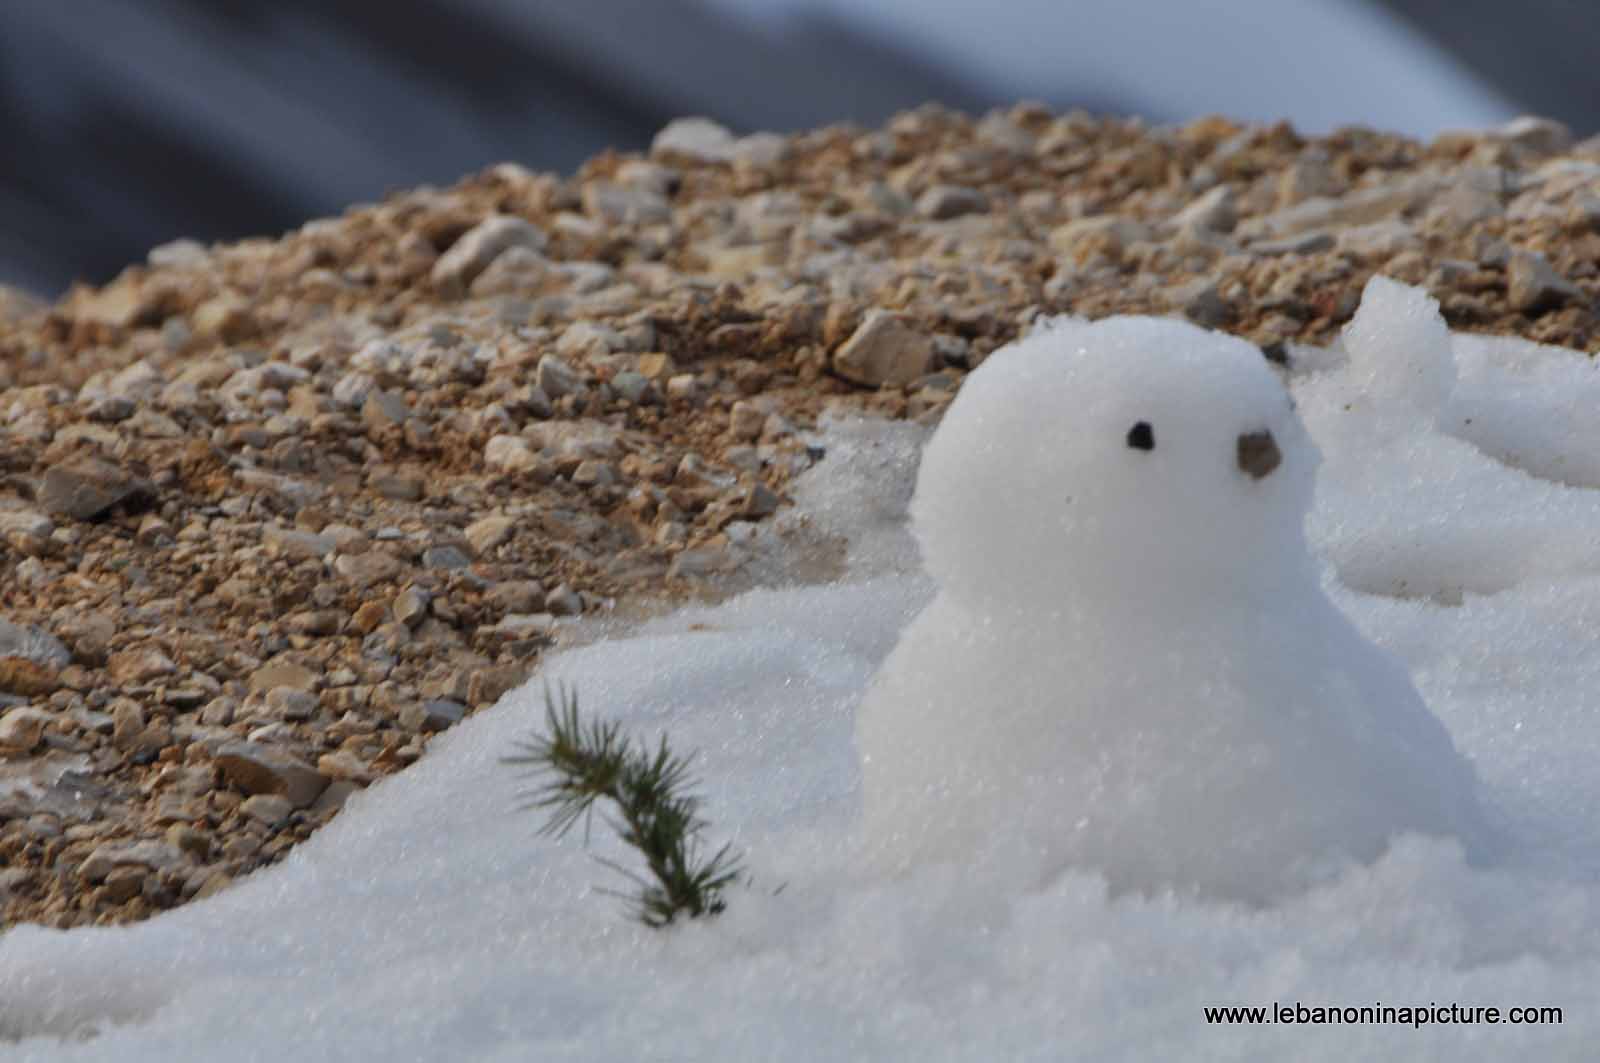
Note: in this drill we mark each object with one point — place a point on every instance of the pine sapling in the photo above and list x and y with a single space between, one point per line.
577 762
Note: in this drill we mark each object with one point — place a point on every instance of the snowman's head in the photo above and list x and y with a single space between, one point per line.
1124 457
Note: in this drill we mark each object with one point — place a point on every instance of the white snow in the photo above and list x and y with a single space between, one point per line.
1131 665
430 922
1435 490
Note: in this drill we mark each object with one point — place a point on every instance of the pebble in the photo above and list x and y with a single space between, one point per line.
365 569
507 453
943 202
435 714
27 530
1534 286
696 139
883 350
283 672
563 601
84 488
290 703
140 666
1215 210
411 606
270 810
21 728
487 533
260 769
556 378
345 766
472 253
1304 243
445 557
148 855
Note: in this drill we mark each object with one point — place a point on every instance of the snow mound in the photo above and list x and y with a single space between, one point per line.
1405 509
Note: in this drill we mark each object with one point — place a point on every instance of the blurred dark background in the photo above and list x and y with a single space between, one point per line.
128 123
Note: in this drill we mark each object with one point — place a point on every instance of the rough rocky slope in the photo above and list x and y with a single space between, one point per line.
272 514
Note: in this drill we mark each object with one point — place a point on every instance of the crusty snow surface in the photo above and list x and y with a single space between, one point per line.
429 921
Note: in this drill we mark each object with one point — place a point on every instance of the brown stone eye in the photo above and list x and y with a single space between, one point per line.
1142 437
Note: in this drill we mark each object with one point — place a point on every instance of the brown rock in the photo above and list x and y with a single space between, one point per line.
22 728
369 568
282 672
140 665
489 532
260 769
883 351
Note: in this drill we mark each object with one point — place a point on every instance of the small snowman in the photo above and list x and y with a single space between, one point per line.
1130 665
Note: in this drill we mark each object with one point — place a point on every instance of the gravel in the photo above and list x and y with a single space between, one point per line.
275 513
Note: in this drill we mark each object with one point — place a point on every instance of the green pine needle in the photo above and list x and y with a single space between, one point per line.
576 763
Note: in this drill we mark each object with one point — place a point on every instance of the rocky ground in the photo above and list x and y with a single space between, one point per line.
272 514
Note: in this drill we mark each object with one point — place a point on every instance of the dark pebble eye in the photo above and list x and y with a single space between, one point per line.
1142 437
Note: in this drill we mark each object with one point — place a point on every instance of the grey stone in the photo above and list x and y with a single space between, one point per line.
260 769
757 501
633 386
625 204
487 533
402 487
411 606
563 601
268 809
1465 203
1306 243
943 202
1116 233
289 703
470 255
436 714
294 543
84 488
517 596
1378 241
353 388
369 568
445 557
150 855
696 138
760 151
514 271
1534 286
1202 303
1542 136
33 644
556 378
702 563
1355 208
383 410
1215 210
1308 177
506 453
26 529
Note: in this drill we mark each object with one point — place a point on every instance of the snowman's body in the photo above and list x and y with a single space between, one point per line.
1131 665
